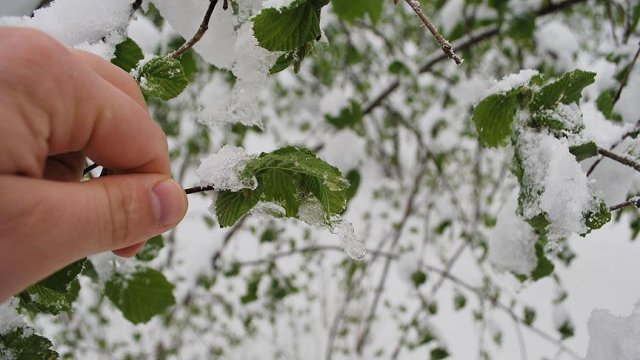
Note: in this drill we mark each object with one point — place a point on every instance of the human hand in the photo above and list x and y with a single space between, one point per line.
57 107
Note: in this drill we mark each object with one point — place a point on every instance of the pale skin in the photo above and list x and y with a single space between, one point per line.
57 107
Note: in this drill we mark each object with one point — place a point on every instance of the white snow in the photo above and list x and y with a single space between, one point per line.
512 241
512 81
222 169
9 317
93 25
569 115
552 171
614 337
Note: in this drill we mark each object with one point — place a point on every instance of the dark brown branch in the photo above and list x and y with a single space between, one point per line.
204 26
463 44
633 133
635 201
198 189
444 44
619 158
624 81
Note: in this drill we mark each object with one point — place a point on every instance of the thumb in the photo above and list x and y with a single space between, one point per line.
45 225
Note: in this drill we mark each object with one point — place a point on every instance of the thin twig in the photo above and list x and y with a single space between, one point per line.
634 201
444 44
308 249
619 158
468 42
227 239
624 81
506 309
398 233
632 133
198 189
204 26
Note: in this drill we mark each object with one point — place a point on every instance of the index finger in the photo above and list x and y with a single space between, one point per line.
83 111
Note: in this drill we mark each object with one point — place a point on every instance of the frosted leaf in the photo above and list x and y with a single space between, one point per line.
9 317
569 116
513 81
512 242
82 23
269 209
221 169
553 172
352 245
614 337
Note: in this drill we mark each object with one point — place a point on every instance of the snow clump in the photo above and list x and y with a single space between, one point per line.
614 337
222 169
512 242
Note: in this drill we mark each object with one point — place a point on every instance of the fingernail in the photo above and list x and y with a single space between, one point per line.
168 200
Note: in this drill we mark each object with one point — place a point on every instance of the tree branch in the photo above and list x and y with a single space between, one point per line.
619 158
468 42
634 201
204 26
444 44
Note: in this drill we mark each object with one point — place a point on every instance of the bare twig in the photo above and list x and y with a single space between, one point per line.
408 210
444 44
624 81
634 201
308 249
506 309
619 158
204 26
468 42
632 133
215 259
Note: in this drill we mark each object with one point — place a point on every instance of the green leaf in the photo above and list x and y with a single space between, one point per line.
231 206
56 293
348 117
596 219
162 77
584 151
566 330
521 27
287 28
529 315
314 177
350 10
418 278
141 295
280 187
354 178
566 90
439 353
544 267
252 288
605 105
23 344
493 118
127 55
151 249
459 301
294 57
